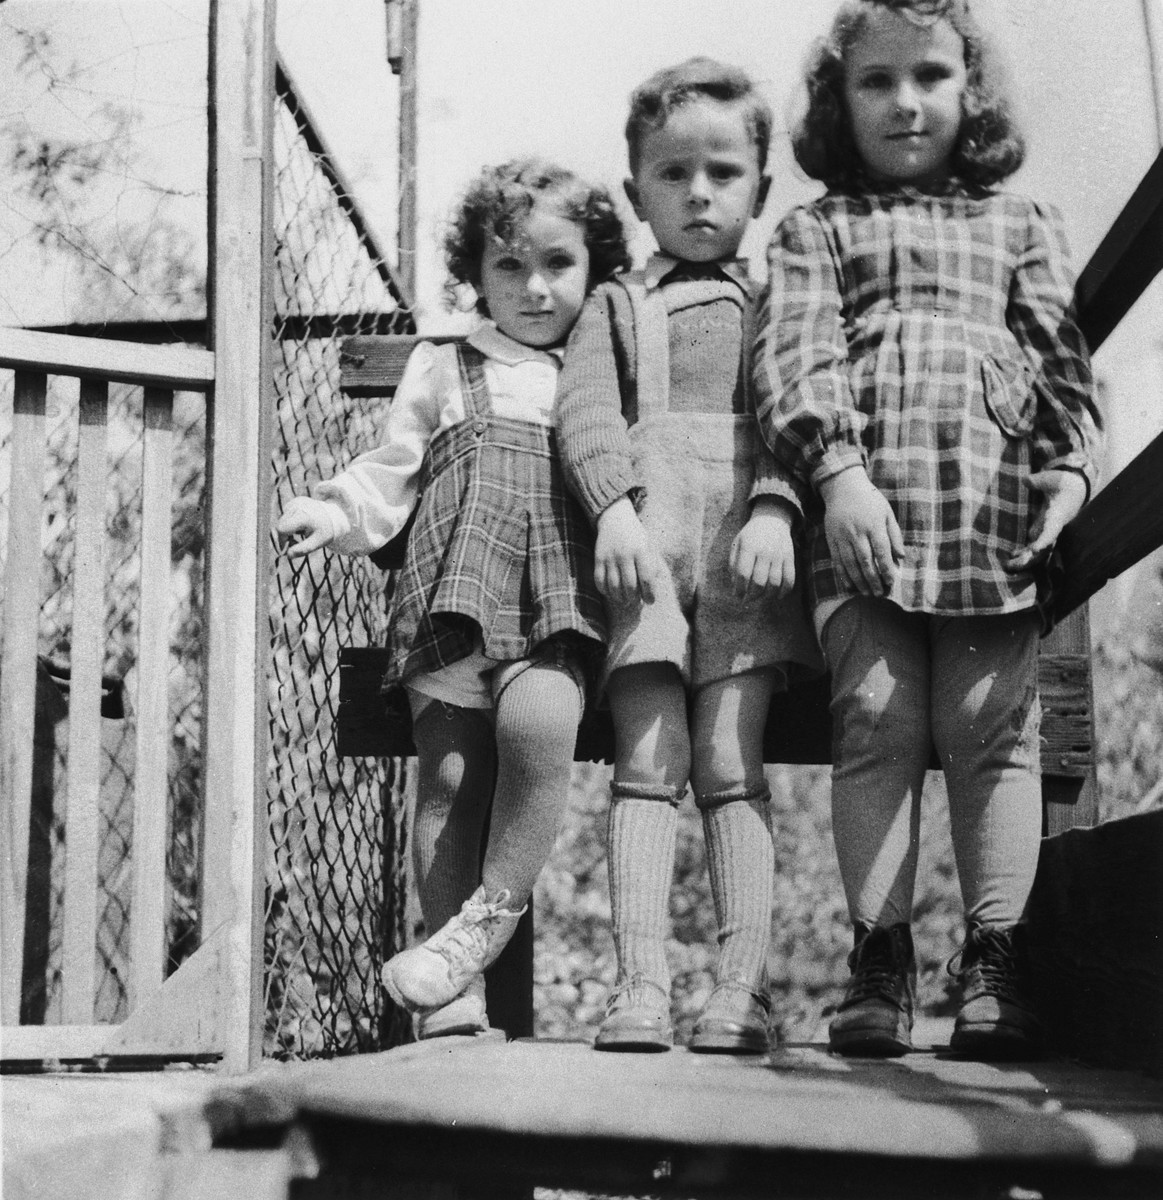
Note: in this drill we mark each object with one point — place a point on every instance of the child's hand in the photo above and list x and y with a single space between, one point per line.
1063 494
863 534
623 560
763 554
307 520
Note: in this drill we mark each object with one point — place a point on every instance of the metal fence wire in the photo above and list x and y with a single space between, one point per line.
335 876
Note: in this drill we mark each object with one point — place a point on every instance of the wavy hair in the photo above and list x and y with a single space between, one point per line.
501 197
990 146
652 102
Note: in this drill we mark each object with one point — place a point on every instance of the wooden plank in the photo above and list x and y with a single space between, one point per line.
241 170
374 365
184 368
84 743
1118 528
1070 788
922 1109
151 775
18 673
1096 938
1127 259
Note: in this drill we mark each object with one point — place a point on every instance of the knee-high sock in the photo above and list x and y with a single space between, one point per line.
537 717
457 761
642 833
741 865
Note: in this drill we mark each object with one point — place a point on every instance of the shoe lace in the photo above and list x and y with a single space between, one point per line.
468 936
875 973
637 983
762 998
987 964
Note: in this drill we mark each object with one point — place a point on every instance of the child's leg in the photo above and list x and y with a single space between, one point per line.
985 723
879 658
456 764
537 715
732 794
652 763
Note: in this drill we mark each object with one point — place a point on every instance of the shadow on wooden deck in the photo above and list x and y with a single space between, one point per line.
474 1117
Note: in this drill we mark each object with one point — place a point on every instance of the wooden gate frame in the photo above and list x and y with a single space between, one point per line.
212 1006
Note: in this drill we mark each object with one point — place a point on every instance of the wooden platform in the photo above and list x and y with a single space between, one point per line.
483 1116
464 1111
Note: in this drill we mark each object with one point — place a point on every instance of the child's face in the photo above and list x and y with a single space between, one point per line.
698 183
535 283
904 84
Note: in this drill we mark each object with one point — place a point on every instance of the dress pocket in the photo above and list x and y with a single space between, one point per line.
1010 395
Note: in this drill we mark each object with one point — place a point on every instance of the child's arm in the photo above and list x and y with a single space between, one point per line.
763 554
1067 424
595 451
805 405
365 506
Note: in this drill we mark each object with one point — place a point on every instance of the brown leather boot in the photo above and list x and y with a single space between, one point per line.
875 1018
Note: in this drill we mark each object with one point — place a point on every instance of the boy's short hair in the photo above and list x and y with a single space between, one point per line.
990 147
652 102
502 196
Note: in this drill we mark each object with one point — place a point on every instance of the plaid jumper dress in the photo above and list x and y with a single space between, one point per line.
931 339
501 556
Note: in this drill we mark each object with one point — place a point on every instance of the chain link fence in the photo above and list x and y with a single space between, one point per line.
335 878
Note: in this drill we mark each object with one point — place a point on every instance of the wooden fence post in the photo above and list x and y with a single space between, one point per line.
241 107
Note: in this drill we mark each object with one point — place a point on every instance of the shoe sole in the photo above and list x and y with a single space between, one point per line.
725 1044
869 1045
990 1044
631 1043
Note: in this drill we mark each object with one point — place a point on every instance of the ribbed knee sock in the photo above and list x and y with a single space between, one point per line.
741 865
642 835
454 784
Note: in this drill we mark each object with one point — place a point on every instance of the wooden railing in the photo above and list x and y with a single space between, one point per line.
159 371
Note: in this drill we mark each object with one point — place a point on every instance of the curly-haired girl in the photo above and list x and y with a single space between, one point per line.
494 620
919 369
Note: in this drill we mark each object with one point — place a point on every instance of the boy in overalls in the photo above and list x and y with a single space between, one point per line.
694 553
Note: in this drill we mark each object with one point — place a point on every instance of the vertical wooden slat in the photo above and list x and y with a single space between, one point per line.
235 735
86 660
1066 802
150 791
18 672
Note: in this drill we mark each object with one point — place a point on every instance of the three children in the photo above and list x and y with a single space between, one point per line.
918 404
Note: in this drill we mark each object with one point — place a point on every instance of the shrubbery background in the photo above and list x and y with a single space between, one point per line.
575 965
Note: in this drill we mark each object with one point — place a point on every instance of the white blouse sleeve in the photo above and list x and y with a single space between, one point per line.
371 500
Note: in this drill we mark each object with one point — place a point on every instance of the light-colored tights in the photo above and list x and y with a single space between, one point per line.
526 746
902 683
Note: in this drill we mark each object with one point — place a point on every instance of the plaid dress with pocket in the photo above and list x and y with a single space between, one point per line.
932 340
501 555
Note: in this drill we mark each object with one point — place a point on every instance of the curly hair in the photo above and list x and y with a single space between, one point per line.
501 197
990 147
652 102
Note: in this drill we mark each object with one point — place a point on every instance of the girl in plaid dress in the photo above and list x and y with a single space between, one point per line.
494 620
920 371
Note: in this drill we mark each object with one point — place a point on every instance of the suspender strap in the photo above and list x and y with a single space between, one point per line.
652 345
473 387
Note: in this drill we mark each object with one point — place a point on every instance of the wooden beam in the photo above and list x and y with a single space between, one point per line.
1118 528
374 365
147 956
87 658
18 674
182 367
1126 261
241 105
